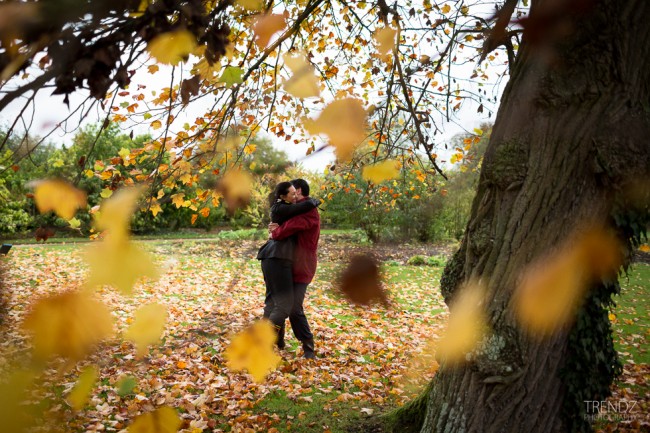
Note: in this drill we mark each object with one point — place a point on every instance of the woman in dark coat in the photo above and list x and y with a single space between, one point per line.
277 258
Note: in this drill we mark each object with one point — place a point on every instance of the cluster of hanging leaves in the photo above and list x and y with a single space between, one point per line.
83 45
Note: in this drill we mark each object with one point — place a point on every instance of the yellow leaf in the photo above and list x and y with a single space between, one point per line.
645 248
74 223
118 263
466 326
106 192
152 69
15 413
235 186
89 173
162 420
344 122
251 5
612 317
156 124
252 350
205 212
385 40
154 207
553 287
68 324
445 9
381 171
172 47
303 82
265 26
59 196
81 391
478 131
207 71
147 327
249 149
115 213
178 199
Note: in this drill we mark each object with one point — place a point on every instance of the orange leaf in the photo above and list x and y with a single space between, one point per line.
344 122
266 26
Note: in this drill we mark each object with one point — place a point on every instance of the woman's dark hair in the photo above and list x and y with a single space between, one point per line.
280 189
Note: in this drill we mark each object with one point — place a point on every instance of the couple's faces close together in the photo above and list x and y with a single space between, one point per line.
291 196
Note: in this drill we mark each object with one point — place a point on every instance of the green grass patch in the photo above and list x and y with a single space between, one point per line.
631 325
315 411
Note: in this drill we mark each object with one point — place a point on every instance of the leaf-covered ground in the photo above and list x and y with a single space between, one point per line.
369 359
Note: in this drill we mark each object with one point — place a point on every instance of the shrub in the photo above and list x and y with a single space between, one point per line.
436 261
418 260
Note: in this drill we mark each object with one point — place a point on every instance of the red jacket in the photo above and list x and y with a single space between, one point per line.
307 229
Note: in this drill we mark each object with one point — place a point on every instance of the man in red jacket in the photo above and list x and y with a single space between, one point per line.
306 228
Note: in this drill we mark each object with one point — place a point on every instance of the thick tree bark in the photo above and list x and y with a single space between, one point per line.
570 139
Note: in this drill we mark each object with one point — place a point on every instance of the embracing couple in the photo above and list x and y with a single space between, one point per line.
289 260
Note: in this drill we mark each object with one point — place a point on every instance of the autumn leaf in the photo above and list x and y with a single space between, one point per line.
14 413
126 385
385 40
67 324
59 196
156 124
553 287
645 248
172 47
360 281
162 420
115 213
249 149
344 122
79 395
303 82
178 199
235 186
231 75
252 350
251 5
377 173
147 327
154 207
467 324
119 264
265 26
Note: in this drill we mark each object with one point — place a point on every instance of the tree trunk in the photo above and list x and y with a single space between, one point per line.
570 141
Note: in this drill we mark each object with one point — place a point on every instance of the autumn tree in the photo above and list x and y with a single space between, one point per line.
567 150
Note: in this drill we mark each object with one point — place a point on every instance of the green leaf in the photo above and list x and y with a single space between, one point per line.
231 76
126 386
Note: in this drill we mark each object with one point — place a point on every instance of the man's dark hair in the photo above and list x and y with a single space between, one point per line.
302 185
